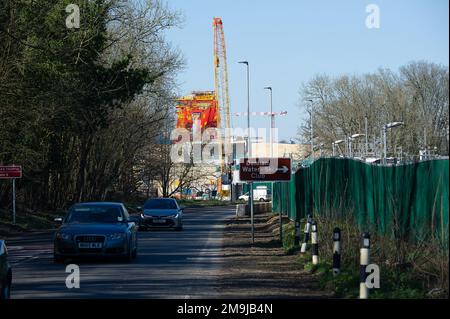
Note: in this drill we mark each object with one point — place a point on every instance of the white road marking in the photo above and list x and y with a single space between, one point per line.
21 254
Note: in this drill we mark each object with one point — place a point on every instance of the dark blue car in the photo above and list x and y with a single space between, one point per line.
96 229
5 272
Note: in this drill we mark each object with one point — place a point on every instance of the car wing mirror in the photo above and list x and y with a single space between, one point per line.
134 219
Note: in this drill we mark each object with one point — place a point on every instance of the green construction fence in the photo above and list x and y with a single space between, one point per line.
403 201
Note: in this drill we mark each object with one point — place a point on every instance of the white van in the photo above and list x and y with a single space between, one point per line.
259 194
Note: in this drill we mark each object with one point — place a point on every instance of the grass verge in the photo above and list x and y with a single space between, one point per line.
423 273
25 221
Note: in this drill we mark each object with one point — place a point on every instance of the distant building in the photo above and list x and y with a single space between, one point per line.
296 151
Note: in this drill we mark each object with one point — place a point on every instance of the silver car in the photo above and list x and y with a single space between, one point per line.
161 213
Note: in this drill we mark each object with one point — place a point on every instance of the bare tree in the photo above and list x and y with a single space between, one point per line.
417 95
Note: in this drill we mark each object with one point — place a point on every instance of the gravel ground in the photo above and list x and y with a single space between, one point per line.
262 270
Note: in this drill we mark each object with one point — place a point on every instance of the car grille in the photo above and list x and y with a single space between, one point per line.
90 250
116 250
150 222
90 239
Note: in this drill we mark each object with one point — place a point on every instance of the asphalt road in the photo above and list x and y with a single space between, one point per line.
170 264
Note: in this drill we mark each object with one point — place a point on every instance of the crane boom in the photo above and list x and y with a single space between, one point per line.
221 77
221 91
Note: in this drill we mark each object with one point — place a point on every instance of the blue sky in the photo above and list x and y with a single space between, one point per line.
287 42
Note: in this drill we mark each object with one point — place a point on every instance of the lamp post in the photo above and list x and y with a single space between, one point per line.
249 146
311 131
385 128
334 145
366 147
350 155
249 150
350 140
272 120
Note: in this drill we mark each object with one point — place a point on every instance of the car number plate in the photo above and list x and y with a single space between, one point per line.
90 245
159 221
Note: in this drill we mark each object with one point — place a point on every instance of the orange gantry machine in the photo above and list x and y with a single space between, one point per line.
201 105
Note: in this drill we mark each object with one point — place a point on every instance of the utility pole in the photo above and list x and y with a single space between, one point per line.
312 130
425 142
249 146
346 146
249 150
312 136
350 153
367 137
272 120
272 127
385 128
385 144
334 144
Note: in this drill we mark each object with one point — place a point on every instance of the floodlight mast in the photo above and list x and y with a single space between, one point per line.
385 128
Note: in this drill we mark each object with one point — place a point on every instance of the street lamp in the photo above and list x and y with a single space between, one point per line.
312 132
334 145
350 139
249 147
320 149
272 120
394 124
385 128
366 147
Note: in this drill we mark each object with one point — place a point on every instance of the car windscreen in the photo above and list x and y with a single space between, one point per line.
160 204
94 214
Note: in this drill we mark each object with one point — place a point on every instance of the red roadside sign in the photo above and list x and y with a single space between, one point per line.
270 169
8 172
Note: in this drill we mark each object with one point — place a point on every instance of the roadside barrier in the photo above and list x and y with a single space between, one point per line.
307 232
240 210
364 261
336 251
258 208
314 242
409 201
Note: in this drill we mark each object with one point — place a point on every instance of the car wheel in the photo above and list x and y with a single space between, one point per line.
57 259
134 253
129 256
6 290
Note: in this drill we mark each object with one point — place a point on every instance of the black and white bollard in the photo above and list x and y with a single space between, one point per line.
364 262
297 233
307 232
314 243
336 251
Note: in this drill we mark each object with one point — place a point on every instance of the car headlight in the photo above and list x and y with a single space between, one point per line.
64 236
116 236
174 216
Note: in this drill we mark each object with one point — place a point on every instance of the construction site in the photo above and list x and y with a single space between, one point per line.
202 110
